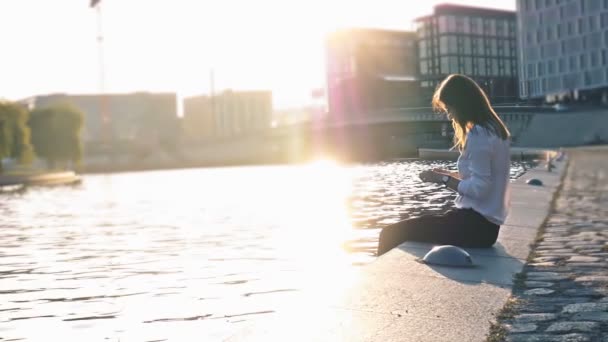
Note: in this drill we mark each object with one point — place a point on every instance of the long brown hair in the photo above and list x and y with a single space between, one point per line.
460 97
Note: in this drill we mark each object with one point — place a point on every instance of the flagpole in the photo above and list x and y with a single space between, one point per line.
103 113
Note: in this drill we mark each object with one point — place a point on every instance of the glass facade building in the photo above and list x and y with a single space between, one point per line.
478 42
371 69
563 49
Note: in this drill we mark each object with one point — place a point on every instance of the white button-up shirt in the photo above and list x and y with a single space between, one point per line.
484 166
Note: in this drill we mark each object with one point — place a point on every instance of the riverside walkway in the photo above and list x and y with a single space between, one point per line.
562 293
398 298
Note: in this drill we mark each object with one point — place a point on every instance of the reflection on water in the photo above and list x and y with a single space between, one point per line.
191 254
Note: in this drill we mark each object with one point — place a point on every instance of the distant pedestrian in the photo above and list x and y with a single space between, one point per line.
482 180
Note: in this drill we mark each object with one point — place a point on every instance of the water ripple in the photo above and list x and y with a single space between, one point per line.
127 252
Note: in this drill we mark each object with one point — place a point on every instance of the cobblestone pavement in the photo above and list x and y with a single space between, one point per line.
562 293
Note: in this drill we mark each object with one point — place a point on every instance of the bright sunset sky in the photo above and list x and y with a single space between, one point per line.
170 45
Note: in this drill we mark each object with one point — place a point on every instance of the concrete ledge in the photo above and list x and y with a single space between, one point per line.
397 298
516 154
40 179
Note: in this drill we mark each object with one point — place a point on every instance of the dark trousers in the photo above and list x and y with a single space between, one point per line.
458 227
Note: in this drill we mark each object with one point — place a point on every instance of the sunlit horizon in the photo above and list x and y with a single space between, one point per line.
167 46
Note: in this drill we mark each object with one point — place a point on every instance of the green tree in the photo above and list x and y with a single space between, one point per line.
56 134
14 133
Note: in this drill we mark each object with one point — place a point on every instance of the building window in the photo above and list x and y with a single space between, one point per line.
604 20
467 45
594 59
583 61
466 25
562 65
542 51
539 36
604 61
572 63
443 45
584 42
481 66
581 25
476 25
493 47
443 24
505 47
592 23
459 24
452 45
541 69
587 78
424 67
537 4
500 30
494 69
582 3
491 27
531 70
570 28
454 65
445 65
422 48
468 65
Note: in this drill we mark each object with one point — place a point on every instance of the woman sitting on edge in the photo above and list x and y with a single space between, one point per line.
481 181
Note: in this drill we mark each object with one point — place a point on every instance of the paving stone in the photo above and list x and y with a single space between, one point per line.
592 279
585 250
545 259
543 264
538 292
585 307
521 327
591 316
536 317
549 338
586 292
573 327
546 276
582 258
558 239
534 284
556 253
566 287
603 265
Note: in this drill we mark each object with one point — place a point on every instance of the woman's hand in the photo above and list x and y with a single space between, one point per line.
431 176
442 171
447 172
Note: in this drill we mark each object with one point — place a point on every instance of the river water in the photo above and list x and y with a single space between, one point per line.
193 254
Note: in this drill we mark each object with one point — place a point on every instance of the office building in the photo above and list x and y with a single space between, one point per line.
478 42
119 117
563 49
369 70
226 115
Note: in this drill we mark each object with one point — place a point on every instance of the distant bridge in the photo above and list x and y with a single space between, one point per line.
394 132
